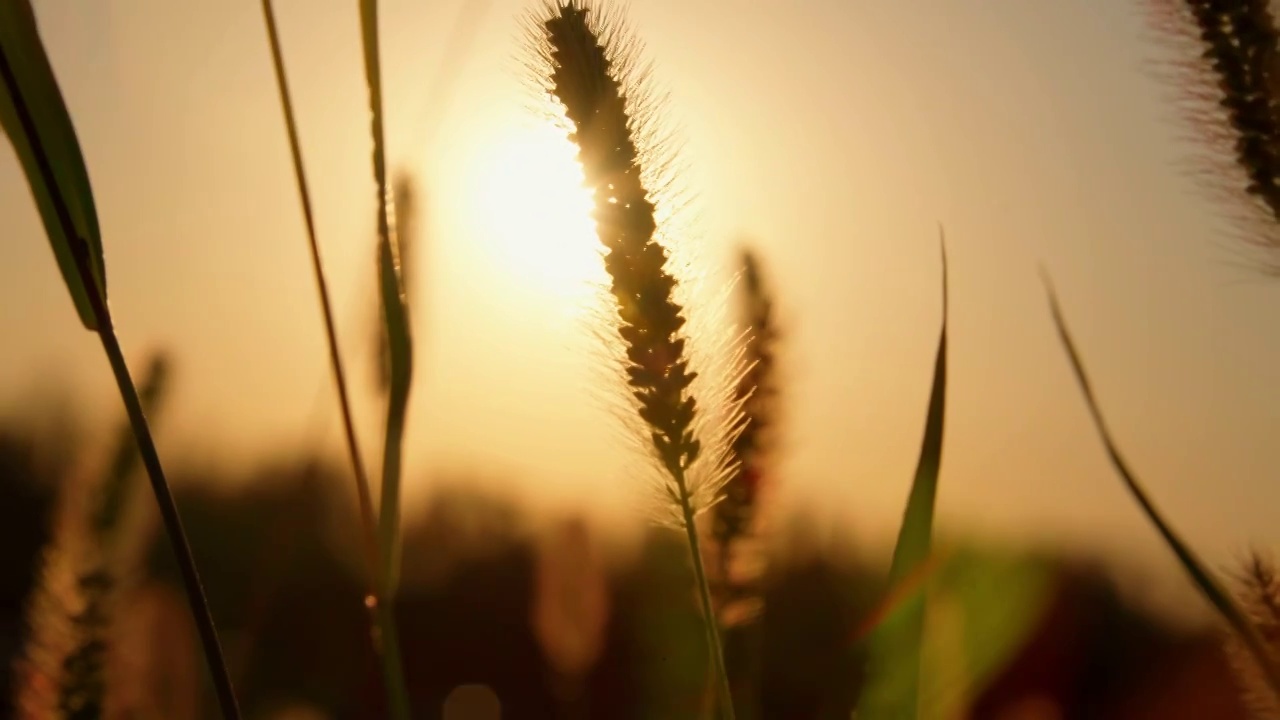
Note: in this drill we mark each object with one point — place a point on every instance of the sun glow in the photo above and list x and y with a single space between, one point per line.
533 216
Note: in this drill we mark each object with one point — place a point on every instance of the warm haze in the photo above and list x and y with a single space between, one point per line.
837 135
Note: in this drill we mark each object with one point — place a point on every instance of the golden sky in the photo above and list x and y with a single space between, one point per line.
837 134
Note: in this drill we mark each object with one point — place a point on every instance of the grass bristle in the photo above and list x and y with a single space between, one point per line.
756 392
1258 589
590 65
1226 75
649 320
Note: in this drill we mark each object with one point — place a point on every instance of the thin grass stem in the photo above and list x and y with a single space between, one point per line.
714 647
382 615
367 517
169 513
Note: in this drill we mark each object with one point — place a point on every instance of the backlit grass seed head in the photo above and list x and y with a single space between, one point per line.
588 63
1227 76
53 633
1258 589
756 391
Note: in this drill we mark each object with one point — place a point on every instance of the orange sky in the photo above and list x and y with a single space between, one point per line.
837 134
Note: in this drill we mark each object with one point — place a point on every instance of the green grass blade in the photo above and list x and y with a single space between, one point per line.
893 684
1194 567
395 315
48 135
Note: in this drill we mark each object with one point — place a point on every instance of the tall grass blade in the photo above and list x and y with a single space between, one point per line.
29 80
893 685
365 498
395 315
20 36
1194 567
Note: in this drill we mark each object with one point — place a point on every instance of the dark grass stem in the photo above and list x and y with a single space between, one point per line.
378 601
137 418
367 518
168 510
714 646
1195 568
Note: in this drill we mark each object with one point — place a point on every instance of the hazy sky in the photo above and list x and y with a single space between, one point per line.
837 134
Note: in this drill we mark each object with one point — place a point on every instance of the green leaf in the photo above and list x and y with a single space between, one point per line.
35 118
893 681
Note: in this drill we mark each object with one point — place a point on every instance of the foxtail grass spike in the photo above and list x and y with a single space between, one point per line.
70 615
399 343
757 393
1191 563
26 73
1258 588
587 62
1227 76
896 644
734 517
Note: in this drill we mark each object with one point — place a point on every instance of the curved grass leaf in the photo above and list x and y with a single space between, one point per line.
34 116
1191 563
893 683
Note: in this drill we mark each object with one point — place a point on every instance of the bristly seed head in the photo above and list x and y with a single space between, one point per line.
1240 45
1226 72
1259 592
756 391
585 80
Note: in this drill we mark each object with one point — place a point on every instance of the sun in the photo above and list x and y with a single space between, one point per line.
533 215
